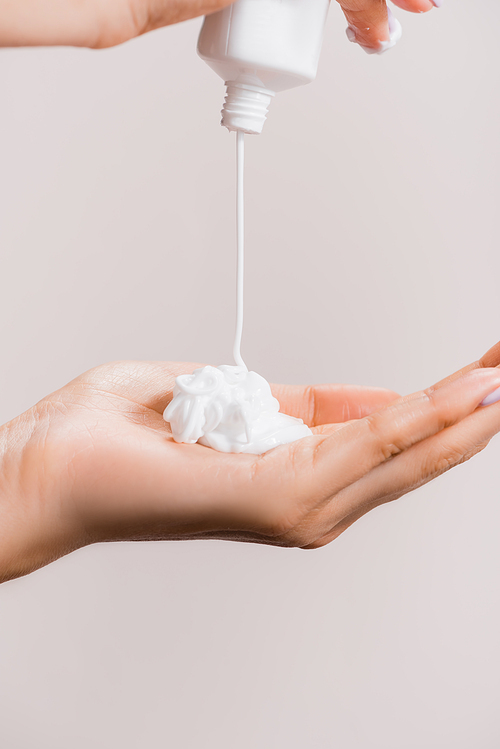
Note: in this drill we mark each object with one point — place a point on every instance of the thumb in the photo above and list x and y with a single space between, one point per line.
317 405
153 14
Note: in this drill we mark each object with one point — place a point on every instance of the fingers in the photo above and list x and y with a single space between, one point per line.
461 432
396 428
319 405
430 458
489 360
372 25
318 487
418 466
330 404
371 441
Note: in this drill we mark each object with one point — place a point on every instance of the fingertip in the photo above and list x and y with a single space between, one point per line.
492 357
374 35
369 39
418 6
481 387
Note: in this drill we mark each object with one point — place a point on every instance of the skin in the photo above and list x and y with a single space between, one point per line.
105 23
96 462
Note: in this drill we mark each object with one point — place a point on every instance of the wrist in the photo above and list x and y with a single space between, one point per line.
12 503
33 527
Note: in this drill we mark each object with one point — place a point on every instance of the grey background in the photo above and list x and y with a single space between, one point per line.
372 258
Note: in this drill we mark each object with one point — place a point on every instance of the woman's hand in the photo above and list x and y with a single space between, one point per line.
92 23
104 23
96 462
371 23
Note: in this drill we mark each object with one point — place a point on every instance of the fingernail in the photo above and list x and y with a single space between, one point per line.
492 398
437 3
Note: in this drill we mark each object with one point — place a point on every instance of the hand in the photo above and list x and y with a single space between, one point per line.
370 21
92 23
96 462
105 23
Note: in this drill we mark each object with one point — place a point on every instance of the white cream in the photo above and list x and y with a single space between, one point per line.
232 410
228 407
240 243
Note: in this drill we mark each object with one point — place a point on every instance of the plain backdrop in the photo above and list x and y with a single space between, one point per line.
372 258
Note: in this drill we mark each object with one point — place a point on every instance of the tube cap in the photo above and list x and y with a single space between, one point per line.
245 107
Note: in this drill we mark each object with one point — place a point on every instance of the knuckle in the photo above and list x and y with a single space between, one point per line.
113 29
384 446
440 413
391 430
474 451
443 463
446 463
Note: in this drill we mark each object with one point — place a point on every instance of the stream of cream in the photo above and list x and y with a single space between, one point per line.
229 408
240 243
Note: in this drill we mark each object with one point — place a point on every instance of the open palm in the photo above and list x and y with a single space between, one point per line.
95 461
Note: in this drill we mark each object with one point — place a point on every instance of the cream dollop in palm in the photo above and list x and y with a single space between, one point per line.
95 461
